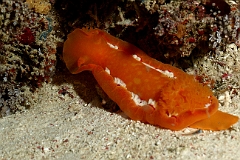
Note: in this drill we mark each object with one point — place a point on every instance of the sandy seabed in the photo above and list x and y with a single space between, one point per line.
66 127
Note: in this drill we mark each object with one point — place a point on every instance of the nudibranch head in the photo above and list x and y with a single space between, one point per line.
88 42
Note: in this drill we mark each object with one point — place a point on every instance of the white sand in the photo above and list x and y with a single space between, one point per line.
61 127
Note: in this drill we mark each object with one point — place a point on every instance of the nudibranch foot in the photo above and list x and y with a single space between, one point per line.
218 121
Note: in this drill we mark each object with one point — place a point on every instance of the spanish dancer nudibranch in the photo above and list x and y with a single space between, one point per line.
144 88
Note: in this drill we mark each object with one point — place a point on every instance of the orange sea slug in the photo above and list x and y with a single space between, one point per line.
144 88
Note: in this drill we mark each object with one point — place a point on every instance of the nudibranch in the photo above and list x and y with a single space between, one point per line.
144 88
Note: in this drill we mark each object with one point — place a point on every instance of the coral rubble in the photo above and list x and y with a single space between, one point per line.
26 59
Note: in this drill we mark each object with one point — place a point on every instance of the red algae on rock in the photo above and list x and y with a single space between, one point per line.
27 37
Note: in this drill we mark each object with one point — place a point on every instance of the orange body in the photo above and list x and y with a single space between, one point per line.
144 88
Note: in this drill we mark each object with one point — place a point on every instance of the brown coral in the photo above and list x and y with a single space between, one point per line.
40 6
